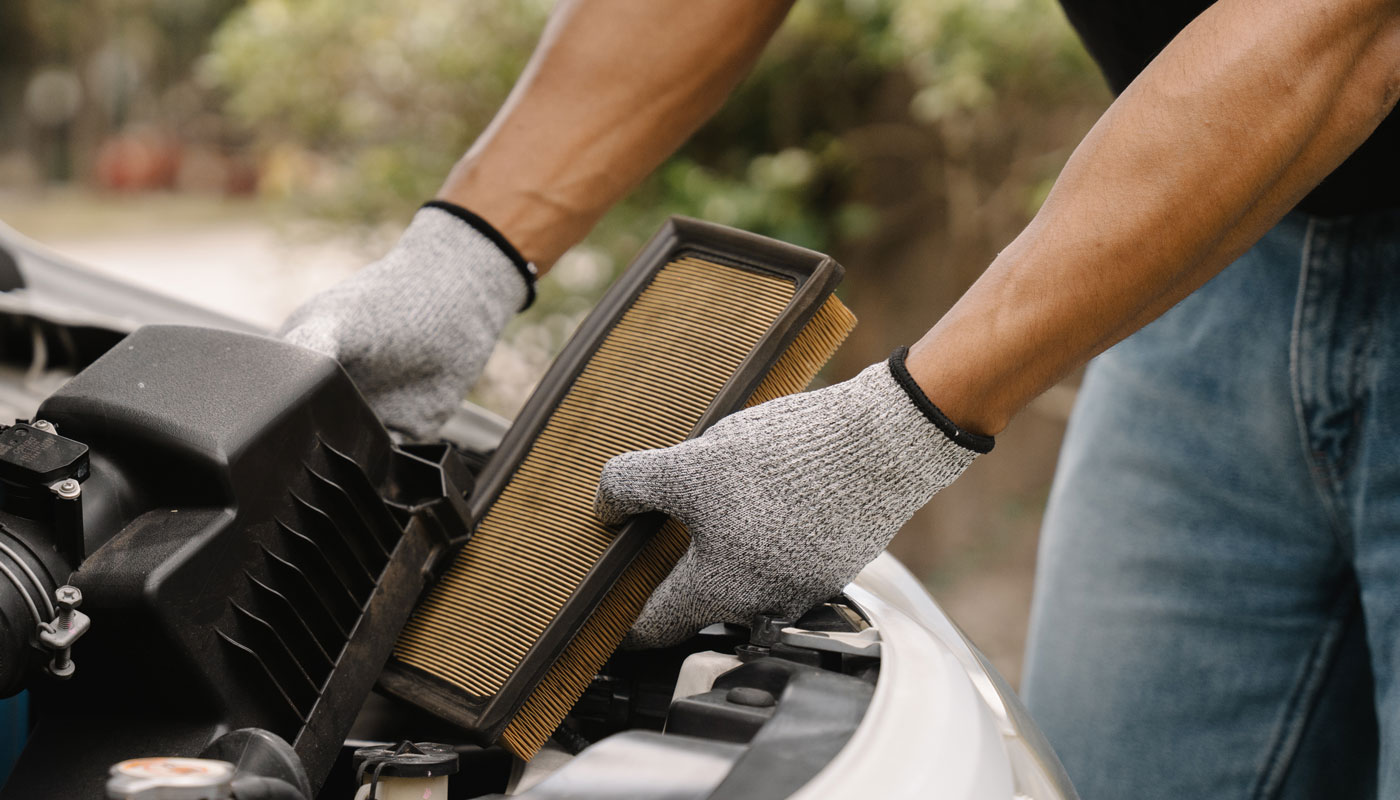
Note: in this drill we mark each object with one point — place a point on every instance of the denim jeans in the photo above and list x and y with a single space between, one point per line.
1217 609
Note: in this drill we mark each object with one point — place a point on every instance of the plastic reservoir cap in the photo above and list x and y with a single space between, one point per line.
407 760
168 778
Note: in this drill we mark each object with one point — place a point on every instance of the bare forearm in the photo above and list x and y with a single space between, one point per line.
613 88
1224 132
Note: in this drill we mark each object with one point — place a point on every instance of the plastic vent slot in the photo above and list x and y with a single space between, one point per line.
331 545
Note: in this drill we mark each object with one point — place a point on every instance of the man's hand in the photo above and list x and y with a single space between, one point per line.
788 500
415 328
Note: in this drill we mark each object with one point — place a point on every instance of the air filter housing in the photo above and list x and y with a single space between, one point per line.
251 542
541 595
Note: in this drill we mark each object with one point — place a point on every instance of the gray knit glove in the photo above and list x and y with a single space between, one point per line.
788 500
414 329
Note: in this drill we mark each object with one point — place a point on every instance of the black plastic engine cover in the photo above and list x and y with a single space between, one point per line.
256 542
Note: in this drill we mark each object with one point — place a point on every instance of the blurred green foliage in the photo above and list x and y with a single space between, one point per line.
387 95
125 61
362 106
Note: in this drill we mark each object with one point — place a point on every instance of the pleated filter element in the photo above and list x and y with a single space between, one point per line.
705 321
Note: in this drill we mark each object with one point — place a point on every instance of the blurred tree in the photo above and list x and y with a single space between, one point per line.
18 54
864 118
107 65
385 95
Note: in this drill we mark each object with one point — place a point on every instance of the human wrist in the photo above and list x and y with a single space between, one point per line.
540 225
963 437
970 392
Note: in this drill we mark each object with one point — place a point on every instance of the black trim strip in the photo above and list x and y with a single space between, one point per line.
526 269
976 442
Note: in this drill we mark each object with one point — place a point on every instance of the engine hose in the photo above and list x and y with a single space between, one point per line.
48 604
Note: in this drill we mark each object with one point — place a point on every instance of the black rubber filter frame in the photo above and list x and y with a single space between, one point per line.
814 277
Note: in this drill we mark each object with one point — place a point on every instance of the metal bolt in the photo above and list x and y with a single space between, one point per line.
43 425
68 598
68 489
62 664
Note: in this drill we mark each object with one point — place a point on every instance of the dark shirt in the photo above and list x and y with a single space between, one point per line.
1123 36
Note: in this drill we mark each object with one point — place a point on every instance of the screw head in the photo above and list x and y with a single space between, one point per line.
68 596
43 425
68 488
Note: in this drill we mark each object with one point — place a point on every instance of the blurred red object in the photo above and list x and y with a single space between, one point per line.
242 176
135 161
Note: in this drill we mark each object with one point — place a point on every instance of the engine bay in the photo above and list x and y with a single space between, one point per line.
751 712
733 712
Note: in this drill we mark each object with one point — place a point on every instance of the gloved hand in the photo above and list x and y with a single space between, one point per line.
787 501
414 329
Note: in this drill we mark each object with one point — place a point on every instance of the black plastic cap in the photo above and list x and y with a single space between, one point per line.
30 456
408 760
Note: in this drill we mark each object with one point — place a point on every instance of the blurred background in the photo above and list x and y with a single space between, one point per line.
246 153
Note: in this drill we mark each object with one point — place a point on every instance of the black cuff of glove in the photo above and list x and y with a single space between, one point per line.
525 268
975 442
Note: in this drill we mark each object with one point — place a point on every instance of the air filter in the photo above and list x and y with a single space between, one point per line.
706 320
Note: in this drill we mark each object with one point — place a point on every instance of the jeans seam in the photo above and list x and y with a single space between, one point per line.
1302 701
1321 473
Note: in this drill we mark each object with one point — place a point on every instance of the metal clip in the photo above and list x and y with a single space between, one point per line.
59 635
864 643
